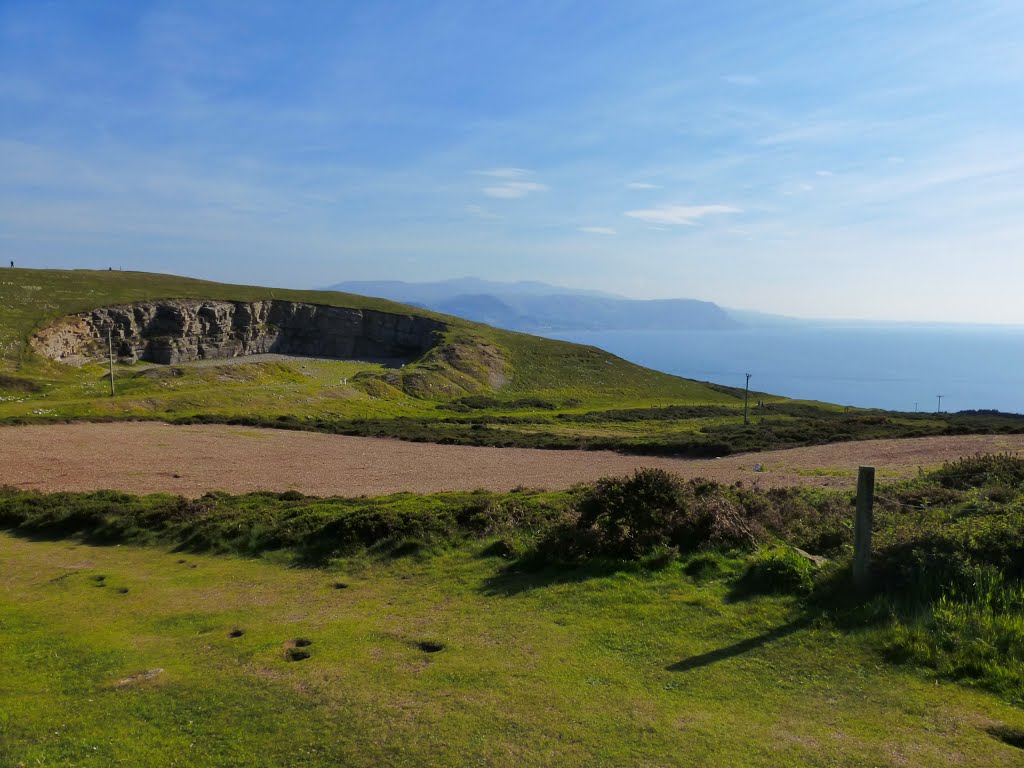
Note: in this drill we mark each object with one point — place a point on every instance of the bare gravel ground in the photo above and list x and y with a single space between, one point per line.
147 457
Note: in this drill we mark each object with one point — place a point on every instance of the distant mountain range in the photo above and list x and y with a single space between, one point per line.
535 307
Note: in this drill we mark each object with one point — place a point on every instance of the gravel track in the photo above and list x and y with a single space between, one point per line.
148 457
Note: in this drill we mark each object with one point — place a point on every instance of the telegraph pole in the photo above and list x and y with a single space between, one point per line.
110 349
746 392
915 407
939 408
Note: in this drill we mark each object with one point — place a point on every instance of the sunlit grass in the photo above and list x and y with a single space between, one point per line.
632 668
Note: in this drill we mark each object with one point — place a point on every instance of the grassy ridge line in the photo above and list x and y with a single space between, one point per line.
31 298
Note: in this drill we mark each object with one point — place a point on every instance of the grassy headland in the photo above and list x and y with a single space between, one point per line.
554 394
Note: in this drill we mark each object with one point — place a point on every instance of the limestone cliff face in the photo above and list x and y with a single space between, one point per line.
178 330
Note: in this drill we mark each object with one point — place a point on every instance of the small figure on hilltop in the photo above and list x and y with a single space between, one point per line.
12 263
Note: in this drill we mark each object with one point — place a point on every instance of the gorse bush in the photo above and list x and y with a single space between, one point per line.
980 470
650 512
923 554
313 529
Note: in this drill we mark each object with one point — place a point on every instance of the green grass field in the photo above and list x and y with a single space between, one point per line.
641 621
644 669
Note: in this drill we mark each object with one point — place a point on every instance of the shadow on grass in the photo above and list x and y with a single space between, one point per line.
741 647
524 576
53 534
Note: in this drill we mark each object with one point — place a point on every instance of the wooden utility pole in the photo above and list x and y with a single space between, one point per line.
746 392
939 408
110 350
862 528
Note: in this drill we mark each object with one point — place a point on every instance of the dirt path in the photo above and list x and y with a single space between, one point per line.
148 457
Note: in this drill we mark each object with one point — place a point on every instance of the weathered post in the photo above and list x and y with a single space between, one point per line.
862 529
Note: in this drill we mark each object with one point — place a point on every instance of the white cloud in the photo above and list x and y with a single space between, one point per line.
819 132
598 230
641 185
514 189
504 173
795 188
679 214
824 174
479 211
741 80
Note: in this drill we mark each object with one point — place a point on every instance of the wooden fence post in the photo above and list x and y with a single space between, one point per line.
862 529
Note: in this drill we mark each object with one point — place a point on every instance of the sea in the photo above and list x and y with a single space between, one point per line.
898 367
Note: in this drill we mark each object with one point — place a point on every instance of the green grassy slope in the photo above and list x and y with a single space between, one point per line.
122 656
30 299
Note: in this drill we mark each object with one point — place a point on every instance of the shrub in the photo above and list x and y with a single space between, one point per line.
977 471
651 513
779 570
975 632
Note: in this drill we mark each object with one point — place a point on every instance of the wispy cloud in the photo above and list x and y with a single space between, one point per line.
641 185
827 131
514 189
598 230
504 173
480 212
796 188
680 215
742 80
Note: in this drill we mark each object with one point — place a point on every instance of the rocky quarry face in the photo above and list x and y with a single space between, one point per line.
179 330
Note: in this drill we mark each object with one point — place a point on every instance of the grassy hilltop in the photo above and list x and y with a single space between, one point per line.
548 393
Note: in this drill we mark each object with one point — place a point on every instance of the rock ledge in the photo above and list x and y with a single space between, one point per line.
173 331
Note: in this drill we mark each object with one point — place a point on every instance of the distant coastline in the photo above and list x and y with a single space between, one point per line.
891 366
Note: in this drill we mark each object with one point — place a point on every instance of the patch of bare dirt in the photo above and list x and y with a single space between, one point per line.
141 677
149 457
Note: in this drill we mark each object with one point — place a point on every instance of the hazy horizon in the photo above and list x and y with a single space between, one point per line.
855 161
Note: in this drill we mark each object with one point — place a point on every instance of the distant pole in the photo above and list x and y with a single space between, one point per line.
915 407
939 408
746 393
862 528
110 349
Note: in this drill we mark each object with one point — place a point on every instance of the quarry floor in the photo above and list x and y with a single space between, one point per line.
147 457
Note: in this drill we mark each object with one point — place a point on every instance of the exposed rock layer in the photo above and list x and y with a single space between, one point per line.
178 330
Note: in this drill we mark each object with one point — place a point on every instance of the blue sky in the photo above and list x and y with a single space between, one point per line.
860 159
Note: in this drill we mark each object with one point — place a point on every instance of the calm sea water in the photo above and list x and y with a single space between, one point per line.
873 367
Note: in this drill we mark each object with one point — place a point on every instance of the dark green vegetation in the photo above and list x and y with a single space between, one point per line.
478 386
643 620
